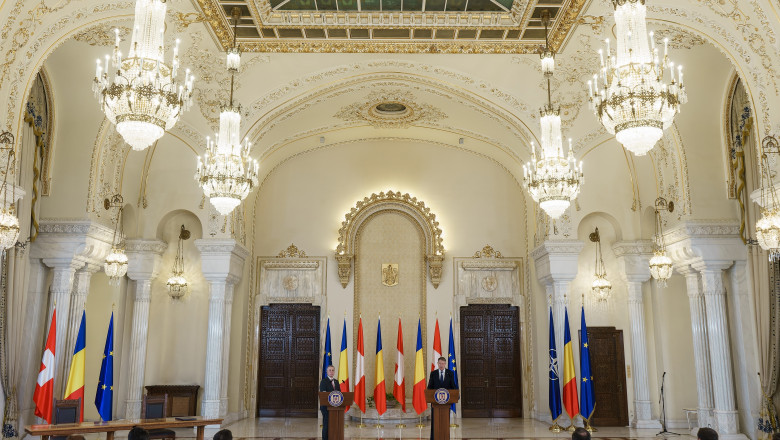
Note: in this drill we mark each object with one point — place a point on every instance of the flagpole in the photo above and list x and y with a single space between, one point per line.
555 426
588 427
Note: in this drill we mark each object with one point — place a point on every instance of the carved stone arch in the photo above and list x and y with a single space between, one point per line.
390 201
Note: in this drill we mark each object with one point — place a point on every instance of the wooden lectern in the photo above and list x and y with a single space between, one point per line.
336 414
440 413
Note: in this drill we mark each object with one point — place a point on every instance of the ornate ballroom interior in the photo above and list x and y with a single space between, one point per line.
429 136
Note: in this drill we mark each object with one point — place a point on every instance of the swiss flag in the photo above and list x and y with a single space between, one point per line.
44 388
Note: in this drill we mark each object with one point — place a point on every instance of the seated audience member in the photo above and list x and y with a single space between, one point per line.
707 434
223 434
580 434
138 433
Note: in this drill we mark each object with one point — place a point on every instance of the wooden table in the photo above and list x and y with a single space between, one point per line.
111 427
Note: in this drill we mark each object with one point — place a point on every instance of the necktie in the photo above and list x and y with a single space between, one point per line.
441 375
333 383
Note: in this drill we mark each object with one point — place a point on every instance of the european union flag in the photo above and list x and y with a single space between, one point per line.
327 357
554 383
451 362
105 389
587 396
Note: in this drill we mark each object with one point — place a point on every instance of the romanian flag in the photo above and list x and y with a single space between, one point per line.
75 387
344 362
569 375
360 374
418 390
436 346
399 386
380 399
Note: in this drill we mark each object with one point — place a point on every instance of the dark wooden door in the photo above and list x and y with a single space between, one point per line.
608 365
490 370
288 372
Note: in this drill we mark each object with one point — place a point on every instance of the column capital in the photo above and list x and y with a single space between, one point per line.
143 258
222 259
712 241
556 260
82 240
634 257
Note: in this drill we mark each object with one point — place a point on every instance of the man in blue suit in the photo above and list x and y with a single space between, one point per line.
441 378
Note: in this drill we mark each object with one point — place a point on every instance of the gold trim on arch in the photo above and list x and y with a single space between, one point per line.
395 201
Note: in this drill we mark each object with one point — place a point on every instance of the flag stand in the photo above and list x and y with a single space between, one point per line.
361 424
587 425
555 426
571 427
379 424
421 425
454 425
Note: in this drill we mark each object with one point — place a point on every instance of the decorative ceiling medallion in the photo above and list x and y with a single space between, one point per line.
390 109
391 26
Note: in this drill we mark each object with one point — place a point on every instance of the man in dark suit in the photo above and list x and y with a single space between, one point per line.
327 384
441 378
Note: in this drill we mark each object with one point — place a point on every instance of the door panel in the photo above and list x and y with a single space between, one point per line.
490 361
608 368
288 371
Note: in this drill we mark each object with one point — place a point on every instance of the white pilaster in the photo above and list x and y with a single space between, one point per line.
725 412
223 404
555 262
634 257
222 261
78 299
66 246
143 266
701 351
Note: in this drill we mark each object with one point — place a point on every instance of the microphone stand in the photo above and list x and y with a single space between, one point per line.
662 401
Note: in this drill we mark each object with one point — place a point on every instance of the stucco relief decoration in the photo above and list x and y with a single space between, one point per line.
488 277
679 39
390 109
102 35
105 177
392 201
291 276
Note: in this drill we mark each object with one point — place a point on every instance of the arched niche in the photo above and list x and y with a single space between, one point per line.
390 201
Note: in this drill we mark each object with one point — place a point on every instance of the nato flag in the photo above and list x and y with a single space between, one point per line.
105 388
587 396
554 384
327 356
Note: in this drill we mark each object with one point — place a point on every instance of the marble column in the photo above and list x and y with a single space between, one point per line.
61 289
634 257
555 262
78 300
143 266
725 414
222 262
214 342
643 408
223 404
701 351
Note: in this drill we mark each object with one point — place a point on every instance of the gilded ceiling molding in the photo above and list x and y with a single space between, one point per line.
390 201
390 108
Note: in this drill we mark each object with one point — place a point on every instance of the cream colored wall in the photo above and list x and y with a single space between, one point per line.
305 199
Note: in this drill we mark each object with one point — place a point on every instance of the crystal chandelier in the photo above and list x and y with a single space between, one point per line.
9 222
631 95
227 173
554 179
768 226
660 263
116 261
177 284
144 98
601 286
